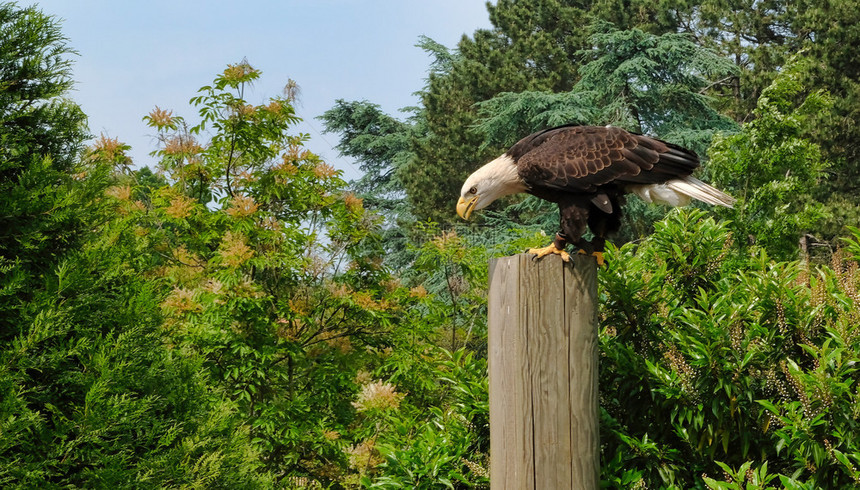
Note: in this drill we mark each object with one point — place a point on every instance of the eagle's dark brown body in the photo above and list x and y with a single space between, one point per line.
584 158
586 169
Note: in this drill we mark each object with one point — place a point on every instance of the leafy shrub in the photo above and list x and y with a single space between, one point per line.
715 364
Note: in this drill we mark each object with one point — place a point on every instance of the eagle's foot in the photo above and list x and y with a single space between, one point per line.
601 262
550 249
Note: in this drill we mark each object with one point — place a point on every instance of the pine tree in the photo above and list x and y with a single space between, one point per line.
41 134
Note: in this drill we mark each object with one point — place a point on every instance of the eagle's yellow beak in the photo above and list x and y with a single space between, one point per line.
465 208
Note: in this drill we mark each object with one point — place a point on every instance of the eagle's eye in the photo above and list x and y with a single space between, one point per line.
473 190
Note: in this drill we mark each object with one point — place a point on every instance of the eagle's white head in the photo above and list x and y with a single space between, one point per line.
494 180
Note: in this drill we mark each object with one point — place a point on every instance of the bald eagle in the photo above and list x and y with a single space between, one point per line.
587 170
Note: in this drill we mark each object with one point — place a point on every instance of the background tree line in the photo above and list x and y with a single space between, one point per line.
239 316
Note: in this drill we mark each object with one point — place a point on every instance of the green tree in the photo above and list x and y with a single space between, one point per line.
41 135
773 167
381 144
829 31
761 38
758 37
90 395
276 285
93 398
642 82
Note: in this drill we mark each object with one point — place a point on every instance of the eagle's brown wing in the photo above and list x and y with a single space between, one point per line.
581 158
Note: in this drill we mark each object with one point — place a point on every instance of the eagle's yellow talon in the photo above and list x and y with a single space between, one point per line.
597 255
543 252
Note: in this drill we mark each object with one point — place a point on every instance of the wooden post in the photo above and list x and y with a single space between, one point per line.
543 355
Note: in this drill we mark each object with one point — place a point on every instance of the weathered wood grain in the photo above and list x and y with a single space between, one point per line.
581 312
508 351
543 373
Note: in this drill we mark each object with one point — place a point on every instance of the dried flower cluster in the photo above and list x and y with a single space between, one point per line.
245 111
378 396
234 249
242 206
161 119
331 435
325 171
181 145
180 300
363 456
353 204
108 148
419 292
236 73
121 192
180 207
274 107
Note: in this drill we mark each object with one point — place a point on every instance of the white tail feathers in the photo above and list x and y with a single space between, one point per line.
679 192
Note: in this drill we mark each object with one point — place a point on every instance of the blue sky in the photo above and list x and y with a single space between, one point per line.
136 55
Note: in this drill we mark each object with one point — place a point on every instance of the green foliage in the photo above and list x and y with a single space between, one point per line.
653 84
91 397
41 134
35 69
773 167
852 245
758 478
278 290
639 81
758 37
761 38
443 445
381 144
741 363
